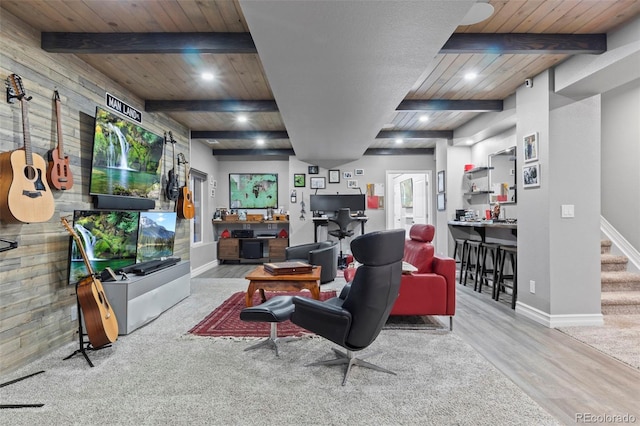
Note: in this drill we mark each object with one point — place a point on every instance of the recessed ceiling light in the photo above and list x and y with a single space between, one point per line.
242 119
388 126
260 141
399 141
469 141
424 118
207 76
470 76
212 141
478 13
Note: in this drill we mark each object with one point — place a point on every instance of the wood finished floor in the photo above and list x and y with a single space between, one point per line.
561 374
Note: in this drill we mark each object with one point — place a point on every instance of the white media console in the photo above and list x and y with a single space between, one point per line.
141 299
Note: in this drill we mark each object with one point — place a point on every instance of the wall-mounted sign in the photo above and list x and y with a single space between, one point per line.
123 108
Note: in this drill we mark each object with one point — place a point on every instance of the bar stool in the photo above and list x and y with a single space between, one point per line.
471 262
461 243
507 253
486 274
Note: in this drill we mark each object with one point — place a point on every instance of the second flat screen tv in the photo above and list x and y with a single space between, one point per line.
253 190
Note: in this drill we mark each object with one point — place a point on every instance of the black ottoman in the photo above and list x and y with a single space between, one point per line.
274 310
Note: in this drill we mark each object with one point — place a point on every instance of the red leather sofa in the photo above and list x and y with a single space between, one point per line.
431 290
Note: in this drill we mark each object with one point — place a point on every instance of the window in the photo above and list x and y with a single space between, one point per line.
199 185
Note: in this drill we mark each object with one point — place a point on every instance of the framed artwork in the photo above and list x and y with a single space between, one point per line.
406 193
313 170
317 183
359 172
334 176
347 175
530 147
531 175
441 202
299 180
352 183
440 181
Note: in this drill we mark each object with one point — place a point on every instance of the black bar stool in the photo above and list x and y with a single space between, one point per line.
461 243
471 262
487 273
507 253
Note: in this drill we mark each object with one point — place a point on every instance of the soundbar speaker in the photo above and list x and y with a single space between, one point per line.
114 202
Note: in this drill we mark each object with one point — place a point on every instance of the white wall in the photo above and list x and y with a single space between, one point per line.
621 160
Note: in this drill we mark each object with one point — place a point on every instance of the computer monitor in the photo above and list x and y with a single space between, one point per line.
330 203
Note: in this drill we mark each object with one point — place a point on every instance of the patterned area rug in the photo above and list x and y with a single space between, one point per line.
225 320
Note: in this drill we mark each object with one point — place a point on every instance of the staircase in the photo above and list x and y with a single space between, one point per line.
620 288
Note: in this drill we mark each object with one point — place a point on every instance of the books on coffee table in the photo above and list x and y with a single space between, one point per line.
286 268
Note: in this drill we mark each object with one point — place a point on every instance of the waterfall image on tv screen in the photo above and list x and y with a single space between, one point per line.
156 235
253 191
109 239
126 158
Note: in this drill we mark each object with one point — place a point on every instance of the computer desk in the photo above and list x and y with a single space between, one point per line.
324 221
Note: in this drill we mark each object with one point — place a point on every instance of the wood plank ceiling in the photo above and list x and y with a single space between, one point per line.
548 31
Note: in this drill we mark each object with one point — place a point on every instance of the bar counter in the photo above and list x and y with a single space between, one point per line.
485 230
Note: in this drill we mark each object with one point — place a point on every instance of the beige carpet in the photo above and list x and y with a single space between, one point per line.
619 337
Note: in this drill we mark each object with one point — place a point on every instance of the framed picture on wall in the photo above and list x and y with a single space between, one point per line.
441 181
359 172
530 147
531 175
334 176
313 170
441 201
299 180
318 183
352 183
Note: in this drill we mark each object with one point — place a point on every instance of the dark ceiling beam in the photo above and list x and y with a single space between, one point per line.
399 151
526 43
415 134
230 105
60 42
254 152
239 134
450 105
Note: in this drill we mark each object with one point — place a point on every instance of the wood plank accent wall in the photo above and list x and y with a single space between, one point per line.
35 300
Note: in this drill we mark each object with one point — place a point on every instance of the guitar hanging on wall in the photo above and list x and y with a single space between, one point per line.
172 189
99 319
59 174
185 208
25 195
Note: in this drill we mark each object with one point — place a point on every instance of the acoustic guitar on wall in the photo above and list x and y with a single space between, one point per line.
58 173
171 190
25 195
99 319
185 208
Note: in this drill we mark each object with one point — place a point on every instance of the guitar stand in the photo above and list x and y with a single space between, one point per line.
82 348
18 380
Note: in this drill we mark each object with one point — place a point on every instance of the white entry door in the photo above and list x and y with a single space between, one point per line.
407 209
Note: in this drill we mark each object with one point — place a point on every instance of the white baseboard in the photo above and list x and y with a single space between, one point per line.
199 270
558 321
621 245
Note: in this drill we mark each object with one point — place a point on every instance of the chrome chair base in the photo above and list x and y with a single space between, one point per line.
272 341
350 359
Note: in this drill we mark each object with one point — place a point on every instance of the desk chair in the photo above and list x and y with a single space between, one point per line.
343 219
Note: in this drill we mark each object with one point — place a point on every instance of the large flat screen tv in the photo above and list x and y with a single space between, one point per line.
156 235
126 158
109 239
253 190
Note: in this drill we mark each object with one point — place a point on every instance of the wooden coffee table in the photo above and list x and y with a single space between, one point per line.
261 280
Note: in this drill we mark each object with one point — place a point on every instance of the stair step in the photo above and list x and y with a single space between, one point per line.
620 281
620 302
611 262
605 246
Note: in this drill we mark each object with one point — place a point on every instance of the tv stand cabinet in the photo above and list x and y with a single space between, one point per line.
142 298
264 246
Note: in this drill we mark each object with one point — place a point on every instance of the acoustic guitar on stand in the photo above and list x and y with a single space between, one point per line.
185 208
99 319
59 173
24 192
